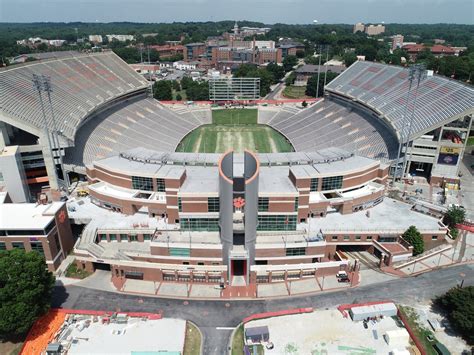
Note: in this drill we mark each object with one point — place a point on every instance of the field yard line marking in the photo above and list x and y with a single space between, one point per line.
270 139
219 135
197 144
250 144
239 136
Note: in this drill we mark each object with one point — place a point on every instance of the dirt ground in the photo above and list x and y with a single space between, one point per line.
454 343
12 347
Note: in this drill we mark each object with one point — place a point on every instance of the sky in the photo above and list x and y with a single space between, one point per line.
266 11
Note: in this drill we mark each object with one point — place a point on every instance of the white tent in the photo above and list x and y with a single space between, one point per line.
397 336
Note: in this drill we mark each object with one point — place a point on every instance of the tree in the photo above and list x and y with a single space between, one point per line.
289 62
277 71
162 90
349 58
413 236
176 85
25 290
290 79
130 55
458 303
454 215
196 90
312 84
179 97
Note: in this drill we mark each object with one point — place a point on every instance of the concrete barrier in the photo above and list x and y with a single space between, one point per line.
277 314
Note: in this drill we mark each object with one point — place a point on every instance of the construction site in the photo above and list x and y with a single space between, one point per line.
350 329
90 332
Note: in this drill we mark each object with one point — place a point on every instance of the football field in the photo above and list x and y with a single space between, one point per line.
235 129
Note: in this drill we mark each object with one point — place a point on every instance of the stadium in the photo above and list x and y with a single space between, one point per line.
245 194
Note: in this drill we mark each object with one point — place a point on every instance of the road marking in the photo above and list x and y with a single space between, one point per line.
225 328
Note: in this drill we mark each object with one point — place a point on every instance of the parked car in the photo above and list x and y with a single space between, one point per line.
342 277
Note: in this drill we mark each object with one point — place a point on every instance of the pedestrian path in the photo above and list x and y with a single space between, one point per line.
461 251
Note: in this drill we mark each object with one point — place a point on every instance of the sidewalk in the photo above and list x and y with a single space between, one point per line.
287 288
100 280
461 251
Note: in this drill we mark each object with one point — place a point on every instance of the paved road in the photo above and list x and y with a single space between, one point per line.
275 94
209 315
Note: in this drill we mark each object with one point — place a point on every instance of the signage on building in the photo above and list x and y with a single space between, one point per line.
450 150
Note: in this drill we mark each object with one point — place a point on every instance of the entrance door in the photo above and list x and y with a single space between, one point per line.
238 267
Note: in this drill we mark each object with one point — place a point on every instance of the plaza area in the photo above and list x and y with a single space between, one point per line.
328 332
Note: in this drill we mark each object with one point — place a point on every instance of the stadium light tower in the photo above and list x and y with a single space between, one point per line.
38 84
420 73
417 71
43 83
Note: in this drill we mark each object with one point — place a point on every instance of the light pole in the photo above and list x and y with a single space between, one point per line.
319 71
418 71
48 89
38 84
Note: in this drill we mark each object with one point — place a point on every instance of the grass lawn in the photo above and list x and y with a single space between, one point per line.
420 332
295 92
235 116
220 138
470 141
192 342
74 272
182 93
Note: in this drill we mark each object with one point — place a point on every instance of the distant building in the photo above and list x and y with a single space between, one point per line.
32 41
290 48
120 38
56 42
95 38
358 27
374 30
246 55
308 70
254 31
168 50
193 51
397 41
439 41
437 50
182 65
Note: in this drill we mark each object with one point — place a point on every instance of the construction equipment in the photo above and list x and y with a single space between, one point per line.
82 193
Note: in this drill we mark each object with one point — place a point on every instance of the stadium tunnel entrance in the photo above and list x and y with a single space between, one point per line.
101 266
420 169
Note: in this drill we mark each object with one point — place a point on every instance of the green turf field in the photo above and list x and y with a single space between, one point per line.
234 129
235 116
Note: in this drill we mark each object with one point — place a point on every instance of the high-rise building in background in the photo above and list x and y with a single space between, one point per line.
397 41
358 27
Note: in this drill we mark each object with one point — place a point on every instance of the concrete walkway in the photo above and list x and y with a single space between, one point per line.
462 251
100 280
